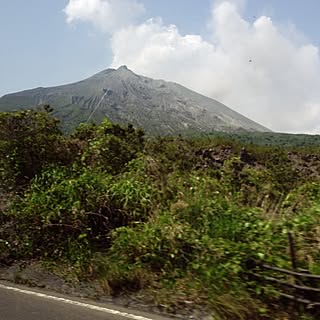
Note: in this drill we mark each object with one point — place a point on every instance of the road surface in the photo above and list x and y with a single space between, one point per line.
20 303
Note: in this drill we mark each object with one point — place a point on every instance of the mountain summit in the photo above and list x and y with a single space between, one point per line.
122 96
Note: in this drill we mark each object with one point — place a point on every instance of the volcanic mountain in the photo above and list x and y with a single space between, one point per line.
157 106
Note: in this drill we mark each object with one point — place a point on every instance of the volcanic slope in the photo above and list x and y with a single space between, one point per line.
157 106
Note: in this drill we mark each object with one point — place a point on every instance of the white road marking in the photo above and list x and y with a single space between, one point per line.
76 303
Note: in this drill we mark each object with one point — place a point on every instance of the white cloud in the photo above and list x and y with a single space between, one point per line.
253 68
108 15
239 4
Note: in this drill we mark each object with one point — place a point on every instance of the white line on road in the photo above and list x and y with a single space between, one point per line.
76 303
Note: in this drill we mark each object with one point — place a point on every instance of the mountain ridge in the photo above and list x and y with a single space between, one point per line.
159 107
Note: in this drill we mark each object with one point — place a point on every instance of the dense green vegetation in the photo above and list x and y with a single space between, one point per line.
175 219
269 138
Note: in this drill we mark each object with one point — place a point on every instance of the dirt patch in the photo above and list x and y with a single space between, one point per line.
34 275
213 157
306 165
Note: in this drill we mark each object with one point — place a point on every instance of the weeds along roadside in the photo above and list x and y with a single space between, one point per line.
172 218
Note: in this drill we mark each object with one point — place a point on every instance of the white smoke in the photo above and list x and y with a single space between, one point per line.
254 68
108 15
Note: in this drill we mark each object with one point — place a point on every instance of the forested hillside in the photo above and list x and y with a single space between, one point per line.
180 221
270 138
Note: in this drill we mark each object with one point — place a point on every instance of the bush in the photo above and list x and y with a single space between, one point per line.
113 147
29 141
157 216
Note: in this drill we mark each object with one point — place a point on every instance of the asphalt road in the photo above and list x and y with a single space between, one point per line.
20 303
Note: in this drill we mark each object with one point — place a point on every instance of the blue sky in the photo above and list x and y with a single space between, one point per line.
39 47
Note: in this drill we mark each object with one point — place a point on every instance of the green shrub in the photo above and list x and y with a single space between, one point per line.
113 147
57 211
156 216
29 141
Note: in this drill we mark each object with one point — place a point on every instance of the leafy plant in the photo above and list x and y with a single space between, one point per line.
180 220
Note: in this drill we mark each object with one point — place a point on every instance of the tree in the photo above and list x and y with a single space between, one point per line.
29 140
111 146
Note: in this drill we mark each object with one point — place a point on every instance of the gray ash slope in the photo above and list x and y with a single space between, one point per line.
122 96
